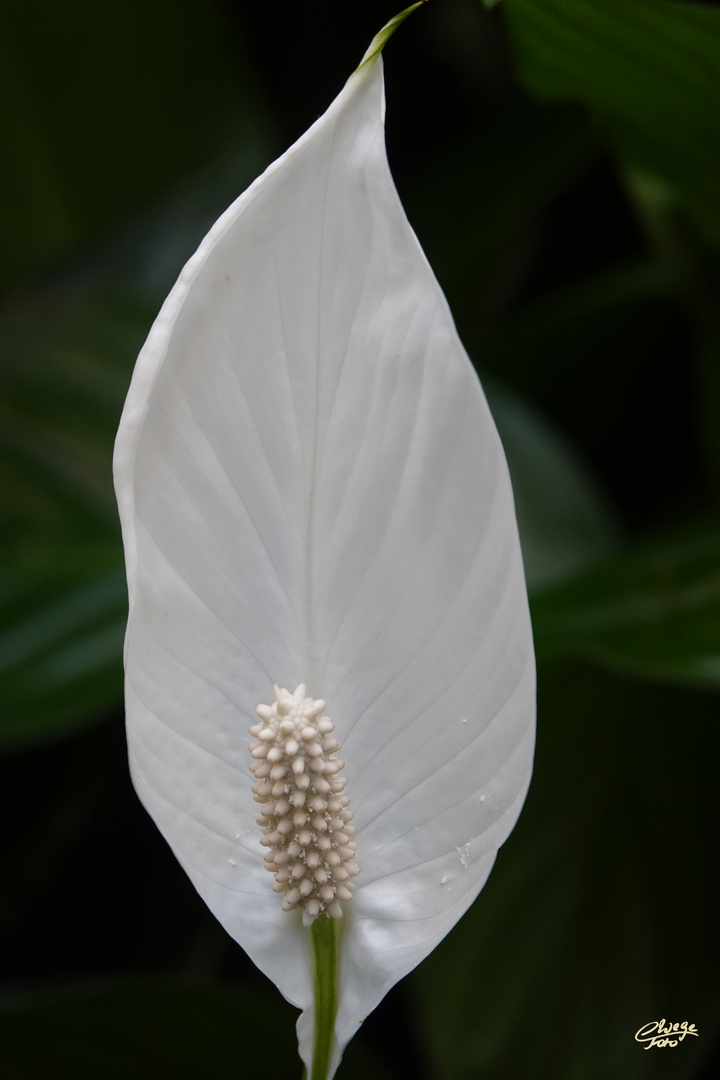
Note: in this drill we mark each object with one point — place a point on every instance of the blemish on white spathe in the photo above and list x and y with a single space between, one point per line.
463 852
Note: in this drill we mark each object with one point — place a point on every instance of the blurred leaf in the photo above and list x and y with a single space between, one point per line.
62 623
156 1031
564 518
601 912
64 365
649 70
605 356
65 361
476 208
72 786
573 333
101 104
653 611
695 273
151 1030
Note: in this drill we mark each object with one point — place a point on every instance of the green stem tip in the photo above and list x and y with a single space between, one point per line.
325 934
380 40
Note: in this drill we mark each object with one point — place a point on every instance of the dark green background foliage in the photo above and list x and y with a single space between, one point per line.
560 161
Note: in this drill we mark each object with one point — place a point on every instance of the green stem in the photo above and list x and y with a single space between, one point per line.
379 41
325 938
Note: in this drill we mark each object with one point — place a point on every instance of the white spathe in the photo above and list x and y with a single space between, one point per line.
312 490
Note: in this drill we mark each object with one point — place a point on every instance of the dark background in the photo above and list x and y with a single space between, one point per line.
560 162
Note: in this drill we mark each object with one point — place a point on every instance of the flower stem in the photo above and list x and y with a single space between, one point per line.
379 41
325 939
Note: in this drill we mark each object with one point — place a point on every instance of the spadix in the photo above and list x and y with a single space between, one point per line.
305 813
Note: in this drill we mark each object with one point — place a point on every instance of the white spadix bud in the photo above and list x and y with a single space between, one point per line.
296 744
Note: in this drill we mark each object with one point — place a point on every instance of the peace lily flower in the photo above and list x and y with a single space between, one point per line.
321 546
